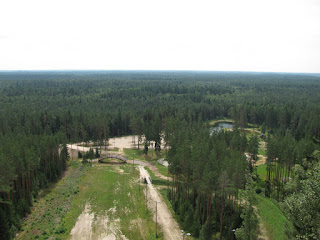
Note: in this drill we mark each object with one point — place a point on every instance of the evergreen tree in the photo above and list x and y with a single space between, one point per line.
250 226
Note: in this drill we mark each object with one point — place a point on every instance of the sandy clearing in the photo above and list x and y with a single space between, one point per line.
169 226
117 142
99 227
262 160
83 227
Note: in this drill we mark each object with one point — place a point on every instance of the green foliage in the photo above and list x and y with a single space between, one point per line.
146 148
250 225
253 147
303 205
97 154
205 232
205 174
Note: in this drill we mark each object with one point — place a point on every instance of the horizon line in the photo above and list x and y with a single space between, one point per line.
150 70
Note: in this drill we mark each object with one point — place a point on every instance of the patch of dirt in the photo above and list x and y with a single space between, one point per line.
262 160
83 229
106 229
119 170
99 227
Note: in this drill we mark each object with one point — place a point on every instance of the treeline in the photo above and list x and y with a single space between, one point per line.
86 100
284 152
27 164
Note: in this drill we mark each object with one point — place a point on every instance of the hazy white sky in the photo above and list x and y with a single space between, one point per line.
235 35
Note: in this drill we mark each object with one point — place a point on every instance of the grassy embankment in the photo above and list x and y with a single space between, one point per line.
272 218
103 188
138 154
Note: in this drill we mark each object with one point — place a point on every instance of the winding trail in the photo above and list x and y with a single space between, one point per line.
170 227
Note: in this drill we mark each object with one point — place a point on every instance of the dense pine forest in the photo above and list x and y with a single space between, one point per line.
214 186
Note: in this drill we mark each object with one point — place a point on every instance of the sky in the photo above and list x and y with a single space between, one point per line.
223 35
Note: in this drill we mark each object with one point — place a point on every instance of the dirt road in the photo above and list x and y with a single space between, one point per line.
169 226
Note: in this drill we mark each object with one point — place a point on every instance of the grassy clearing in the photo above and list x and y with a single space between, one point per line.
249 132
262 171
262 152
134 153
108 187
156 180
138 154
273 219
103 187
162 169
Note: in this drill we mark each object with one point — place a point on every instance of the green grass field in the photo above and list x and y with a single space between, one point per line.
261 152
138 154
156 180
111 191
162 169
262 171
272 218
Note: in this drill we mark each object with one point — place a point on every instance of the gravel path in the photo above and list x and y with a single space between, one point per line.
169 226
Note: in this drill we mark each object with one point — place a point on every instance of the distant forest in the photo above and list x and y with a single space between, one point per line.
40 112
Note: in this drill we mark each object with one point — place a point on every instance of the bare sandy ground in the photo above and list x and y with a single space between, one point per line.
168 224
118 142
262 160
100 227
83 230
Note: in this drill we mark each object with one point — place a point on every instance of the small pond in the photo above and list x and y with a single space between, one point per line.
220 126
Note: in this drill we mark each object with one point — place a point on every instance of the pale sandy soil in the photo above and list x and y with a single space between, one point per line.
262 160
83 229
163 162
99 227
168 224
118 142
